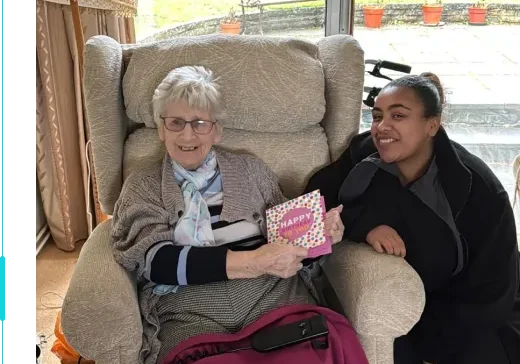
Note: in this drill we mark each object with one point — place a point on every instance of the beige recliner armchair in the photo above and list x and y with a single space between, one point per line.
294 104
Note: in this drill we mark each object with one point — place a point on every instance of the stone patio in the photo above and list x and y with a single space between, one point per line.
478 65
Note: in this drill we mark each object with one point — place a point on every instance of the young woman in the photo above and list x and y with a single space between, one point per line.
408 190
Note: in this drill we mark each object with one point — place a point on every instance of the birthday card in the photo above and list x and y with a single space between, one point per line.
300 222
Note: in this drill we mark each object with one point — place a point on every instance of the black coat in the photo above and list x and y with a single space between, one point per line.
484 296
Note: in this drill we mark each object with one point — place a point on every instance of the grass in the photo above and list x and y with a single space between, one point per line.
158 14
169 12
154 15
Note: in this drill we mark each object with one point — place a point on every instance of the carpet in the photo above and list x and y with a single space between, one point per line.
54 269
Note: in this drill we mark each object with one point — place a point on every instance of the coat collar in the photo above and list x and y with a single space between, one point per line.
454 176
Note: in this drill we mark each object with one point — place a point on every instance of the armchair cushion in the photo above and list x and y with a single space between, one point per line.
280 86
343 66
285 74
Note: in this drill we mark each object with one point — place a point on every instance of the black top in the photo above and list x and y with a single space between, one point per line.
471 278
172 264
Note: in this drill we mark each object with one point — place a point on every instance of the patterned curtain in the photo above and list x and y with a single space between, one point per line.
64 176
123 8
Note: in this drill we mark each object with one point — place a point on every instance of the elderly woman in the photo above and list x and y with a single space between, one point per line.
408 190
194 230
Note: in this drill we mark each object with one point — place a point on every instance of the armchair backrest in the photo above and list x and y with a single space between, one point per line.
293 103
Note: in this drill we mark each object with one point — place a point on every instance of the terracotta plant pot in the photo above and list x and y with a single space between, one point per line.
233 28
477 16
432 14
373 16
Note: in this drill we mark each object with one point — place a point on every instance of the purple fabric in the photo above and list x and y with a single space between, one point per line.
344 346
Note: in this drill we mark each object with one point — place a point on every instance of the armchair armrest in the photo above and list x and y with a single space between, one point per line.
100 316
106 116
382 295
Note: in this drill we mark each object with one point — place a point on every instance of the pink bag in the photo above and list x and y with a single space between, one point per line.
339 346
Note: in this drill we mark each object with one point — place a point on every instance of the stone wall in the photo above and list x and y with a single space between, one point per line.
313 17
396 14
285 19
504 14
272 21
199 27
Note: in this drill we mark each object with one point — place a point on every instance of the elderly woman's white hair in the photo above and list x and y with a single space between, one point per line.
196 86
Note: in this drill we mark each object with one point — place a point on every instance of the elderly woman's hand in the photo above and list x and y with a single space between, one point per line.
333 224
281 260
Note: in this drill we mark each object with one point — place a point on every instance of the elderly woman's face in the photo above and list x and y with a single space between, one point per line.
187 147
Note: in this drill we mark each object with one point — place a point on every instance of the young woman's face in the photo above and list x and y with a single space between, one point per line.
399 129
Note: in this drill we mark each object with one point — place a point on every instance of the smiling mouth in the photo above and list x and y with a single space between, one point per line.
386 141
187 149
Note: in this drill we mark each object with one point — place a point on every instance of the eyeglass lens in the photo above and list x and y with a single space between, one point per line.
198 126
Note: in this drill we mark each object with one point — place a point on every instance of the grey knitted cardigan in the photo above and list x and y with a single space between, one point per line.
150 205
151 202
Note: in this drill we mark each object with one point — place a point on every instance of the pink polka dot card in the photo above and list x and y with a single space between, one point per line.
300 222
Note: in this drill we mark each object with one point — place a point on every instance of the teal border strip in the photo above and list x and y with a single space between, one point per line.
2 126
2 288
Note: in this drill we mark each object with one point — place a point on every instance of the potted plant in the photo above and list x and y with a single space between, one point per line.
230 24
432 12
373 14
478 12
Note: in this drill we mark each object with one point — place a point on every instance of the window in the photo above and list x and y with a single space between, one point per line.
477 65
163 19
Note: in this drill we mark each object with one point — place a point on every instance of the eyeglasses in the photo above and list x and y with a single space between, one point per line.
200 127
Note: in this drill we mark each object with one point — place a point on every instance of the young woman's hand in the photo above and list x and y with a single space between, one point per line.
384 238
333 224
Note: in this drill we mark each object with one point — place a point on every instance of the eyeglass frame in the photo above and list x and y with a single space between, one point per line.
163 118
